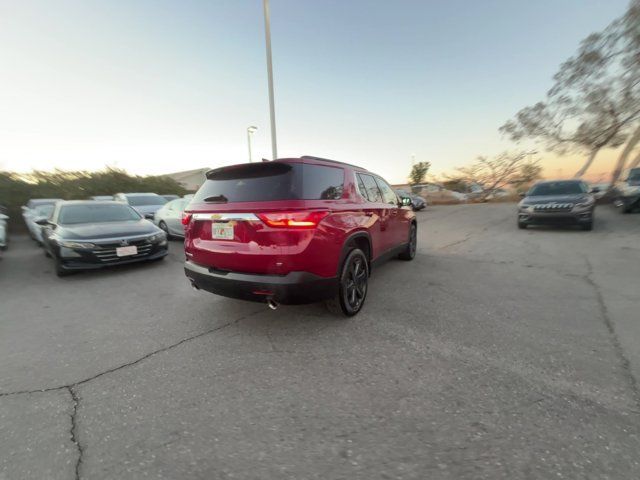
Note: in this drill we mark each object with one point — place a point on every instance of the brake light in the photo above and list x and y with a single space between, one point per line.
186 218
292 219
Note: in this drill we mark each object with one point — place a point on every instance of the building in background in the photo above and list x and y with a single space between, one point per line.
190 180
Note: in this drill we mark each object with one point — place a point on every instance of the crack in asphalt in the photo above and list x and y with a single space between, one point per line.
71 388
608 322
134 362
74 430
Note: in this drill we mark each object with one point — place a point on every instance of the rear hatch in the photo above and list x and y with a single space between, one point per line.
255 218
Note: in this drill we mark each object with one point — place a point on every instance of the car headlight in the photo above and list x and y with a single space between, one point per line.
158 237
76 245
525 208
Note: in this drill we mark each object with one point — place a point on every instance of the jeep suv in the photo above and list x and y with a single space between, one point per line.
293 231
557 202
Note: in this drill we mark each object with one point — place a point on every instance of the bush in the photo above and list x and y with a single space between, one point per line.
16 189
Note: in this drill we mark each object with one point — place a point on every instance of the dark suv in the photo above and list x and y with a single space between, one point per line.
295 230
557 202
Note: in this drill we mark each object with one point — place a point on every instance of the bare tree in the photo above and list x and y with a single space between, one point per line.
494 173
594 102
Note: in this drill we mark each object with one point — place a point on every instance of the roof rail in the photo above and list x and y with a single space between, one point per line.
311 157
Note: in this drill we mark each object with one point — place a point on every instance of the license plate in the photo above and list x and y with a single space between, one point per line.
126 251
222 232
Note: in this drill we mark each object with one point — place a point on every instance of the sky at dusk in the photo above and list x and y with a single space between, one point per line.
161 86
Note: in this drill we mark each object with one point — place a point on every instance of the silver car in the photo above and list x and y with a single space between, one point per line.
3 229
146 204
34 209
40 212
169 217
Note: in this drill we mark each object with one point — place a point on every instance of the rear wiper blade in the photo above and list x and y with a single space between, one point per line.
216 199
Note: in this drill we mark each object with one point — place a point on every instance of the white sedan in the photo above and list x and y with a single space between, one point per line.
169 217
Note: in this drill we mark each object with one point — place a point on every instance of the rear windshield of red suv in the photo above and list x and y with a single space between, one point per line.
267 181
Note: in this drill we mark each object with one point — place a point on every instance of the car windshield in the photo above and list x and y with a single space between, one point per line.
144 200
98 213
43 210
557 188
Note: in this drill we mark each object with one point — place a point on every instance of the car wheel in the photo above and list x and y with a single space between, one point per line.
410 251
46 253
354 278
165 229
522 225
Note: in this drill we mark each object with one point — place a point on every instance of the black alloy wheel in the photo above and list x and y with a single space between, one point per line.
354 280
410 251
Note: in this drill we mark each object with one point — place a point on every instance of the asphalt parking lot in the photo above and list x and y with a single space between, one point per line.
497 353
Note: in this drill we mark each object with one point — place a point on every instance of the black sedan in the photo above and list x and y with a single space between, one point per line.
82 235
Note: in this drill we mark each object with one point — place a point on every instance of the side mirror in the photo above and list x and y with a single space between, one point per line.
595 190
149 216
43 222
405 201
24 208
522 194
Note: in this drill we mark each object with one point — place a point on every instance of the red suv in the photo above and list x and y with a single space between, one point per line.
295 230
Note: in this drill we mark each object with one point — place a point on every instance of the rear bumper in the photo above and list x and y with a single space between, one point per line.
293 288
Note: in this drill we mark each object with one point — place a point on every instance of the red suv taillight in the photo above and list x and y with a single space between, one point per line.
293 219
186 218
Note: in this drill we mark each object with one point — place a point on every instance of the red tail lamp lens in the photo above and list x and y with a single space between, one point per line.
292 219
186 218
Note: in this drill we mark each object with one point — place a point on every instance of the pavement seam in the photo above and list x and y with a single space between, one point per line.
608 322
74 430
132 363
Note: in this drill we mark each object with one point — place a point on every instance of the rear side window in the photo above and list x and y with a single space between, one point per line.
267 181
371 188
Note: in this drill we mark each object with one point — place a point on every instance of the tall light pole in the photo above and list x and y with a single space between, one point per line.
267 32
250 131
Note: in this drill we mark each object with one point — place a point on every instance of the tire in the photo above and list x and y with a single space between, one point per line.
587 226
46 253
410 251
354 283
522 226
165 229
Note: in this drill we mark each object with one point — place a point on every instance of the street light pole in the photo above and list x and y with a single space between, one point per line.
250 131
267 32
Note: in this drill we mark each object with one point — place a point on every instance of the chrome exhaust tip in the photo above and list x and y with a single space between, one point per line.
273 305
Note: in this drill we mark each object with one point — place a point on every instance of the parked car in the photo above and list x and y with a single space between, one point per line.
38 213
628 190
84 234
34 202
417 202
29 211
145 203
4 237
101 198
168 198
294 231
557 202
169 217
